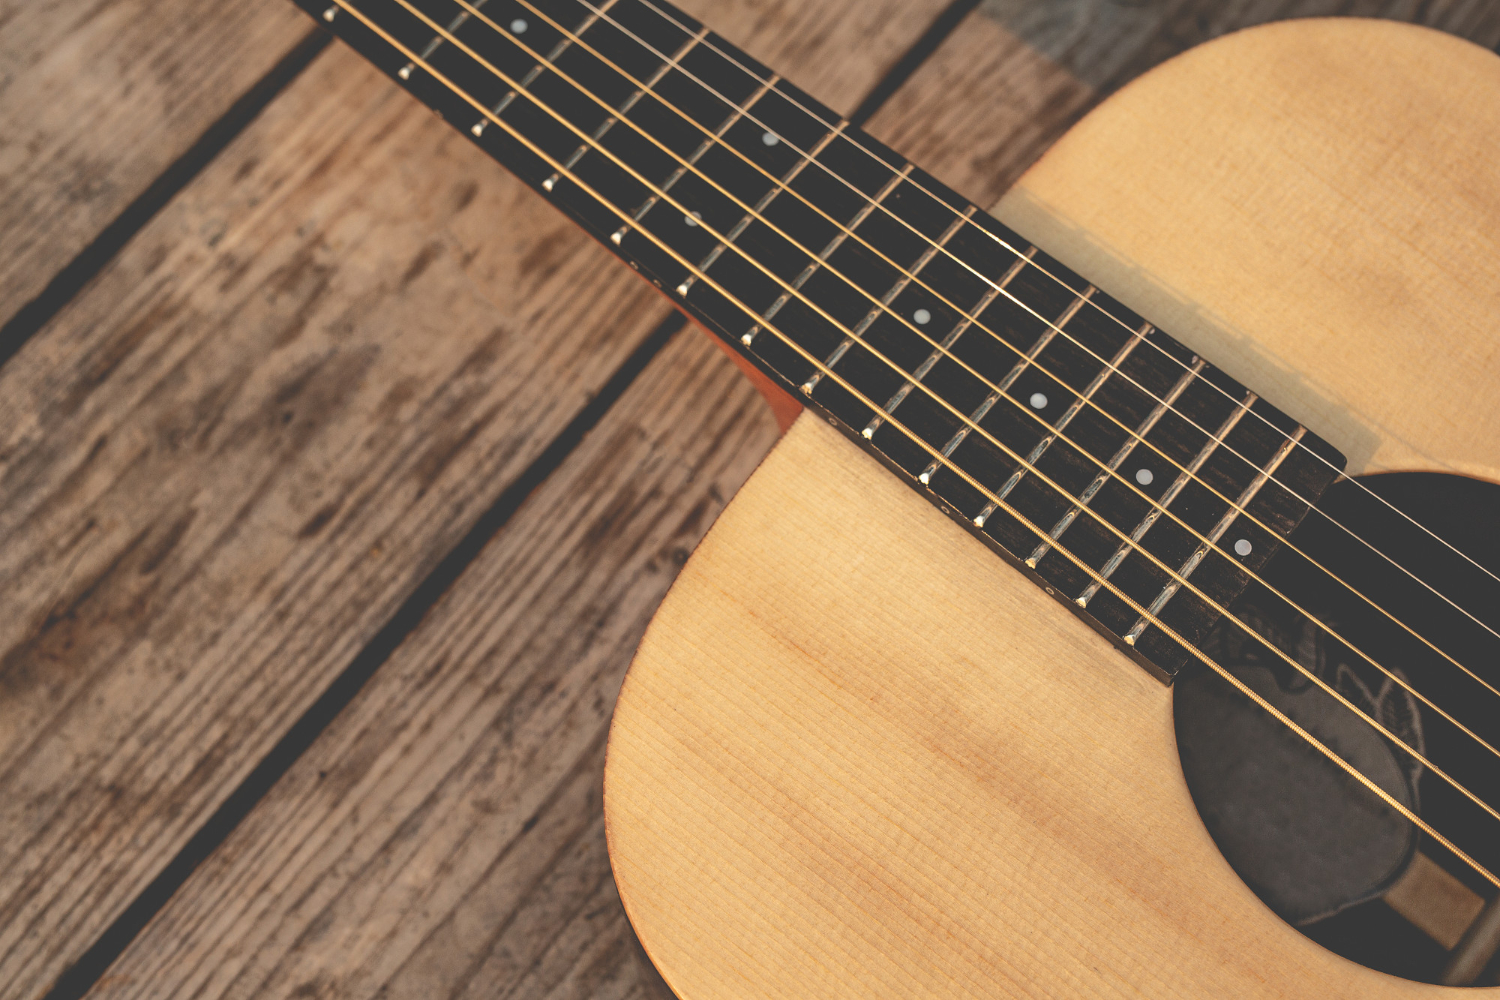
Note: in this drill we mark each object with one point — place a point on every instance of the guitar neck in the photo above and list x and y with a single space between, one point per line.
1079 442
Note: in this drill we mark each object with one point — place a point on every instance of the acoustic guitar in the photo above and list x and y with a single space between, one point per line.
1067 644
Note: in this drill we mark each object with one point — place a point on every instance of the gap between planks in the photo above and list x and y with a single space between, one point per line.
443 836
100 100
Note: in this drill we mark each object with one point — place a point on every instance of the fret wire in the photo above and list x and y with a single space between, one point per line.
432 46
629 103
932 359
1067 417
1152 515
749 217
1215 442
794 288
1027 360
833 244
1209 447
693 158
1162 626
997 391
542 63
739 112
1002 243
748 338
1052 330
1218 532
1116 460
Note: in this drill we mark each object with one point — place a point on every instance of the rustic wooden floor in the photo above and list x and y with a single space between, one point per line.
331 511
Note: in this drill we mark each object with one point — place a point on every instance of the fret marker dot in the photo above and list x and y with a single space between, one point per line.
769 139
692 220
922 316
1243 547
519 26
1144 476
1038 401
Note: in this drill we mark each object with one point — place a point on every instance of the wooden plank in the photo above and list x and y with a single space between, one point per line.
229 461
443 837
97 98
1015 75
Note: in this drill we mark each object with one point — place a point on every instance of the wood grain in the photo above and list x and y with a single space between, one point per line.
820 784
227 464
1015 75
231 459
97 98
443 837
857 755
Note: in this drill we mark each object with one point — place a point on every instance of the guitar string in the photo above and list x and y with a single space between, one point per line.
1142 612
854 140
1353 772
744 112
686 165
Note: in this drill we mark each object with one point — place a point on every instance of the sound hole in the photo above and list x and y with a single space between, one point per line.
1320 849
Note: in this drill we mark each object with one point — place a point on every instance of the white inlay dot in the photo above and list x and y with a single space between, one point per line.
1144 476
519 26
1242 547
1038 400
769 139
692 220
922 316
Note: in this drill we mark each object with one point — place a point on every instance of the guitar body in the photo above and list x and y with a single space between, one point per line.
857 755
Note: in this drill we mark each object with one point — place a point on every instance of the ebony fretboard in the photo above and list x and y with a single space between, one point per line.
1084 445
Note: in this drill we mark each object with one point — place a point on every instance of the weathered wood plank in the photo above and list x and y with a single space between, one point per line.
229 461
97 98
1015 75
443 837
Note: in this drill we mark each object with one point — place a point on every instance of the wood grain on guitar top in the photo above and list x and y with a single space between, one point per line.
856 755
